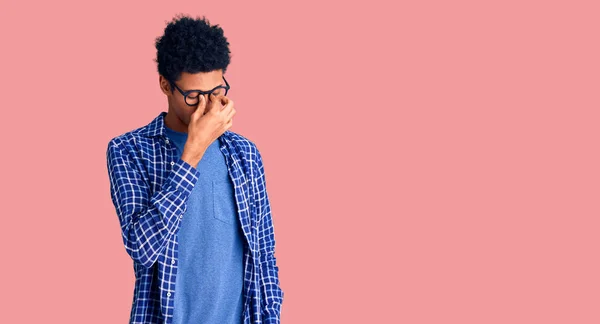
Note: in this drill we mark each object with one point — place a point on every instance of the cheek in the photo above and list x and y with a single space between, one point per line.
183 111
186 113
178 100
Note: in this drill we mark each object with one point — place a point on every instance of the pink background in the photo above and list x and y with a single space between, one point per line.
430 163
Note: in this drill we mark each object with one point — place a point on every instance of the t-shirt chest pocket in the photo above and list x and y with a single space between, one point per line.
224 207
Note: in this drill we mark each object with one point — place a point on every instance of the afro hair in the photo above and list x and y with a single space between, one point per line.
191 45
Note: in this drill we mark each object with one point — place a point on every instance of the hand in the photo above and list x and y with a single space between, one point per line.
206 125
210 123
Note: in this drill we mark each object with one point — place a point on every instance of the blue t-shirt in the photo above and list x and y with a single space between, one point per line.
210 275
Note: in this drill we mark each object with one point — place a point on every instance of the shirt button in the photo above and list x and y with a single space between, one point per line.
172 163
172 261
169 294
167 141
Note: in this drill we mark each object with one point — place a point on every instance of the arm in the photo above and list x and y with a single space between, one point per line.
269 282
147 220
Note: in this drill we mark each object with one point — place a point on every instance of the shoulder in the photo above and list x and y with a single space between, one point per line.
249 150
243 144
128 141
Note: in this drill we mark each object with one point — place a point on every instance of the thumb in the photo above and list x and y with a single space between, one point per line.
202 104
199 111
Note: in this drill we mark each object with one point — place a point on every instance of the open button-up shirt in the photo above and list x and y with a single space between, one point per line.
149 186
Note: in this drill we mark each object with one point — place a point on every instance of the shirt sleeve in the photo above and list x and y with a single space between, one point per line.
147 219
269 282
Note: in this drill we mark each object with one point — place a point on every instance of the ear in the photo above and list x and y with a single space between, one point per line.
165 87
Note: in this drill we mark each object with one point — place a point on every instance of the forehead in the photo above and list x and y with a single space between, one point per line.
201 81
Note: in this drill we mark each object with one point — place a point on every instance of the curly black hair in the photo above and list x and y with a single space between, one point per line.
191 45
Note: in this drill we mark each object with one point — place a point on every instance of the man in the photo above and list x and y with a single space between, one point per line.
191 195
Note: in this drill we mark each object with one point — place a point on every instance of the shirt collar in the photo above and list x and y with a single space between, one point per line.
156 127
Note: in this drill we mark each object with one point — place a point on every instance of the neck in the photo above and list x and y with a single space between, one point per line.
174 123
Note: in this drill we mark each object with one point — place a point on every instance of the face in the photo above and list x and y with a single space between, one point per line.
204 81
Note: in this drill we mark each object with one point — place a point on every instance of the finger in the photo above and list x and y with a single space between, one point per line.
214 102
220 102
228 107
200 108
230 114
224 100
202 101
210 104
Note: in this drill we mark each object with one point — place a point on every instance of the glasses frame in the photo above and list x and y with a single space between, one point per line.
185 94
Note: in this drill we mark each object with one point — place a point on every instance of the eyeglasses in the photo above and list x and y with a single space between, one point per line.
192 97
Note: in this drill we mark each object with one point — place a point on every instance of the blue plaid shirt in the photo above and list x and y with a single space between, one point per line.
149 186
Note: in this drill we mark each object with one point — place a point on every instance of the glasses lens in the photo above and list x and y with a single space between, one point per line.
192 98
219 92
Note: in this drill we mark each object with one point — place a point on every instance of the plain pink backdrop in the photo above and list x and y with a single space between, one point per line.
426 163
